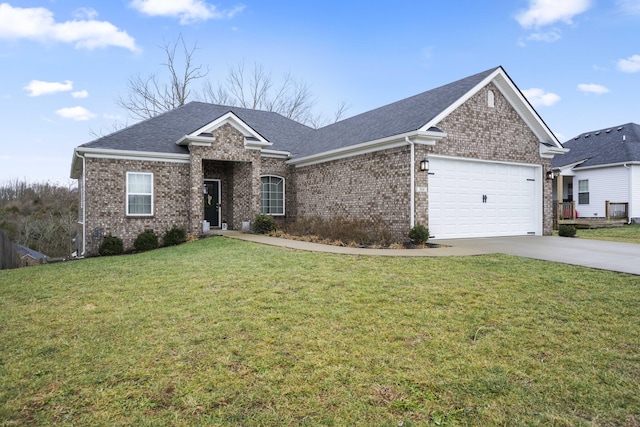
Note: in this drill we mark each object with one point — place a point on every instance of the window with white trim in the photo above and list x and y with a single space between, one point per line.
583 192
272 195
139 193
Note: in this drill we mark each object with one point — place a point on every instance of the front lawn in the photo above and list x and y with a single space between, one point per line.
225 332
627 233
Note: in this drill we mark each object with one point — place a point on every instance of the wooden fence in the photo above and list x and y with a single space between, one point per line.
8 255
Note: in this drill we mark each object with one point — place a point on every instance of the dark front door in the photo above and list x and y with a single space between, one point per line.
212 202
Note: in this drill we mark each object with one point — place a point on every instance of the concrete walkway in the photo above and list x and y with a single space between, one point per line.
614 256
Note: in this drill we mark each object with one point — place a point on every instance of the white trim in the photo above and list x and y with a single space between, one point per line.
284 194
420 137
470 159
197 140
127 195
608 165
275 154
233 120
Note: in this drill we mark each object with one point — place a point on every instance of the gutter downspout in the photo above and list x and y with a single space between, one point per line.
413 182
630 205
84 206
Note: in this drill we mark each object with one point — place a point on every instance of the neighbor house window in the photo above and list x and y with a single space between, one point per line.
272 195
583 192
139 193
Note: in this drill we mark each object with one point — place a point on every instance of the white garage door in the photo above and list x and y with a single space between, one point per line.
483 199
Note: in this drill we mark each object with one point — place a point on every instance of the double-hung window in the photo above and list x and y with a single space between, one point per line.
583 192
272 195
139 194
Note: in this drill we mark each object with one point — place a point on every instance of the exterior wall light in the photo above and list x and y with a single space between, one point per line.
550 174
424 165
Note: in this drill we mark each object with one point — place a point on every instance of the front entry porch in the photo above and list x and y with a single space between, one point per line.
227 195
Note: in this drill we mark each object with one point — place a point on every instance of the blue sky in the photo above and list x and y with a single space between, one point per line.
63 63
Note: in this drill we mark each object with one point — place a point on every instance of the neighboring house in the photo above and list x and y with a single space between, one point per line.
486 150
600 176
29 257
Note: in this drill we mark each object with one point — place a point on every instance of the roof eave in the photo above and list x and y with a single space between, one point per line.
429 137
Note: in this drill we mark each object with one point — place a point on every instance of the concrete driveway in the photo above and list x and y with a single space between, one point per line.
614 256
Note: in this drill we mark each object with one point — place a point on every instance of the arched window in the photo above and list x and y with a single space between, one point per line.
491 99
272 195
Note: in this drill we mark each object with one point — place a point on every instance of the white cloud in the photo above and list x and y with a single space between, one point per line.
37 23
550 36
539 98
38 87
188 11
630 65
592 88
546 12
80 94
75 113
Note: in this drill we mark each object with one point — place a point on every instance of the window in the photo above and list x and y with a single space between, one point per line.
139 193
272 195
583 192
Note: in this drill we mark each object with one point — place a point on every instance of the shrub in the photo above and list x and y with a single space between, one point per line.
174 236
357 232
419 234
264 224
111 245
146 241
567 231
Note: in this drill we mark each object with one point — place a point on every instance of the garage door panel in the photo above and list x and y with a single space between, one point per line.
456 206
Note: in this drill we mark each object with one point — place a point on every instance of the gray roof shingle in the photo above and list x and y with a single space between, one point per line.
160 133
615 145
402 116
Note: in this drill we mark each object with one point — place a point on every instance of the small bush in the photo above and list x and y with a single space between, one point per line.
111 245
146 241
264 224
419 234
175 236
567 231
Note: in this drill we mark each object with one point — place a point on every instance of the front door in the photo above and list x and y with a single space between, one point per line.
212 202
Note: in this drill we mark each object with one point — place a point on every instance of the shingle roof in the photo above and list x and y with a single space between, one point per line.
615 145
23 251
403 116
160 133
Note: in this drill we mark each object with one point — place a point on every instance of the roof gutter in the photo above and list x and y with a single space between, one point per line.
428 137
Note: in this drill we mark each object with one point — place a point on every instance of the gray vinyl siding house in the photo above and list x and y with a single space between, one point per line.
487 151
599 178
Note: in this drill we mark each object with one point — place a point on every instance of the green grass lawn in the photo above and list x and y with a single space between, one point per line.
627 233
225 332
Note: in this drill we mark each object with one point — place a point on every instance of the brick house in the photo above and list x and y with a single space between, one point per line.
467 159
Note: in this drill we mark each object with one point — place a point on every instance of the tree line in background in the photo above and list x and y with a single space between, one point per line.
40 216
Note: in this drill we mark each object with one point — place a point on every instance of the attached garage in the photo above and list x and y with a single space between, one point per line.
471 198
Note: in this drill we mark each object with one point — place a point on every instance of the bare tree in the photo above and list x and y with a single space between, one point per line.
151 95
254 88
